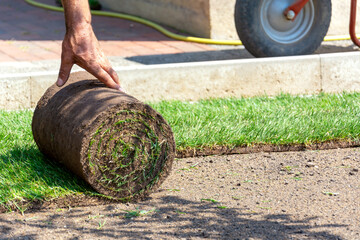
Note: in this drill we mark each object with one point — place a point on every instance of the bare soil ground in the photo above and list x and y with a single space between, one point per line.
292 195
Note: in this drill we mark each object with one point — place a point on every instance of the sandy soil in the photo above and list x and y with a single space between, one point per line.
293 195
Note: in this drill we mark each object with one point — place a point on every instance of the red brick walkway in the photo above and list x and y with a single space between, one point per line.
28 33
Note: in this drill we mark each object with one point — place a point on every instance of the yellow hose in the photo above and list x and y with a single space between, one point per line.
163 30
339 38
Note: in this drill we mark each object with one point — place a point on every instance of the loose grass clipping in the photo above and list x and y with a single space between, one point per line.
122 147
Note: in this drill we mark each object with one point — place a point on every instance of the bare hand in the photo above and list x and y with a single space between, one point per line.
81 47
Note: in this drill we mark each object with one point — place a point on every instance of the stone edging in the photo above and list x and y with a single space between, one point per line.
330 73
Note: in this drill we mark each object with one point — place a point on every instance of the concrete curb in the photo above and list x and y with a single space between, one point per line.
330 73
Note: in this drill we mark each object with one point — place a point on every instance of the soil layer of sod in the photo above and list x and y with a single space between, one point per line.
120 146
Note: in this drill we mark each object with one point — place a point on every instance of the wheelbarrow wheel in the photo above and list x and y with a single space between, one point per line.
266 32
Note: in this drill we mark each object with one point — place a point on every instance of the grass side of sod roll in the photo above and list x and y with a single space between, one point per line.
26 175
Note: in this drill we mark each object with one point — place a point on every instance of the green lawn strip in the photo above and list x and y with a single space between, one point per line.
280 120
26 175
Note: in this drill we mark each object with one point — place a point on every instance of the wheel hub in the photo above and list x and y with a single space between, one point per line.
279 28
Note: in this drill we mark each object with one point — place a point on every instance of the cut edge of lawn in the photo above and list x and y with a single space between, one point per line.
264 147
83 200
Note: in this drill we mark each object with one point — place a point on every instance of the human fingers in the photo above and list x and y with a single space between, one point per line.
102 75
105 64
113 75
64 72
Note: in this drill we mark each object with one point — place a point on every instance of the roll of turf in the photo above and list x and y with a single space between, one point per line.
120 146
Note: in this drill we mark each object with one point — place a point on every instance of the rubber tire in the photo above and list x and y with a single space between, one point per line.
259 44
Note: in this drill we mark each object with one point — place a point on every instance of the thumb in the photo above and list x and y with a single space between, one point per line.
64 72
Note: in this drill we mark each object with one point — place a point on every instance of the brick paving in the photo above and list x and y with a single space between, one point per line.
28 33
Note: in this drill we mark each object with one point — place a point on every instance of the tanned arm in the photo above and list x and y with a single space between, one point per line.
81 47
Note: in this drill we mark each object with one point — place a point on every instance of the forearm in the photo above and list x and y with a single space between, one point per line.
77 14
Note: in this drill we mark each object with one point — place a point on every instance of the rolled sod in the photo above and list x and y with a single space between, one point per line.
120 146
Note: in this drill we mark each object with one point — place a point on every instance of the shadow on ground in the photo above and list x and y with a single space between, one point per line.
229 54
225 54
174 217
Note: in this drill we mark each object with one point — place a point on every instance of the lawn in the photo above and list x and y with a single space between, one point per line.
280 120
26 175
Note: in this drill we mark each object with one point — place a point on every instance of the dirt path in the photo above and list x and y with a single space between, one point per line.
294 195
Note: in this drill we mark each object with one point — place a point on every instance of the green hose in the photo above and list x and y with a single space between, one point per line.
145 22
163 30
